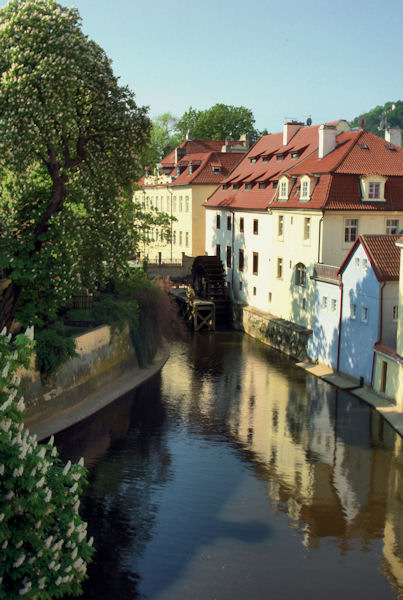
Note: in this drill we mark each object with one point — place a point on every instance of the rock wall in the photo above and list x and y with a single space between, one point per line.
101 358
288 337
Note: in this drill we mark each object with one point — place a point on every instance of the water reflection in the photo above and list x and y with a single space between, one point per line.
236 474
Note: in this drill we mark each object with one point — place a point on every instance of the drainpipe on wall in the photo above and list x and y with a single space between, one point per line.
320 239
340 322
170 192
379 331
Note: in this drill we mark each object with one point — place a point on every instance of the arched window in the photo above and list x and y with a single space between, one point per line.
300 274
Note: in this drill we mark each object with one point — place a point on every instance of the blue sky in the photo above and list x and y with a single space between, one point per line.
317 58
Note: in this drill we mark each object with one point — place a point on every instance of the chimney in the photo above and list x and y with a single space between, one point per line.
245 140
179 153
327 139
289 130
226 147
393 135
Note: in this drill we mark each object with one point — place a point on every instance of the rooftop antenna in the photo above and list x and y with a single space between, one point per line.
362 121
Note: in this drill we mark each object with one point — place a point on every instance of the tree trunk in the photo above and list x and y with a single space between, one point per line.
8 305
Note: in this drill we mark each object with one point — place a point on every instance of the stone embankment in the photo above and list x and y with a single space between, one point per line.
106 368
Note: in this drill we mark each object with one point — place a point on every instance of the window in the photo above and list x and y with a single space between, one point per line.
218 221
280 226
235 186
162 202
241 260
254 291
364 314
333 305
174 204
305 189
180 203
283 190
180 238
279 268
241 224
300 274
255 263
350 230
392 226
374 190
248 186
187 238
174 237
240 285
255 226
218 251
262 186
357 263
324 302
187 203
229 223
157 202
353 311
216 170
364 264
229 257
395 313
270 296
307 228
168 204
304 303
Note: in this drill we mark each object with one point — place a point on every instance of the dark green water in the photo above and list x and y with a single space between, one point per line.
235 475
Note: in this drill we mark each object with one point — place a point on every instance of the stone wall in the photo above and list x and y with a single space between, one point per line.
101 358
288 337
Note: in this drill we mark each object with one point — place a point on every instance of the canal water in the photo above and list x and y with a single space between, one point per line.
235 475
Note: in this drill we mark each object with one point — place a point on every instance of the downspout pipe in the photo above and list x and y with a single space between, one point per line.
320 239
340 322
170 192
380 331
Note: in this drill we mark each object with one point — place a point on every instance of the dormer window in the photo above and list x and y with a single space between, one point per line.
265 158
235 186
225 186
294 154
262 185
216 170
305 189
279 157
373 188
253 160
283 189
248 186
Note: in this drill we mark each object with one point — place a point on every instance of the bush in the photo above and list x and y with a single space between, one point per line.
53 348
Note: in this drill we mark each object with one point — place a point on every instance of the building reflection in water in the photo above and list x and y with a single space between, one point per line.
331 463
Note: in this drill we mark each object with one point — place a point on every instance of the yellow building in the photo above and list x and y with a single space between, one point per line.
184 181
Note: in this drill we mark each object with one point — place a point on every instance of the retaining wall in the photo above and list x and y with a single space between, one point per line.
101 358
288 337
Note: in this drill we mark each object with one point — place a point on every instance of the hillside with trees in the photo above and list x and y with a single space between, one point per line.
388 115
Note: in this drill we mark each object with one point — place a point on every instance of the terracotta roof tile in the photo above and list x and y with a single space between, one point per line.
382 253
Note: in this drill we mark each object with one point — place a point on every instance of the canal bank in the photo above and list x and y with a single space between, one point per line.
105 368
292 340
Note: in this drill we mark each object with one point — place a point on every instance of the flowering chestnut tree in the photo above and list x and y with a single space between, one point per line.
43 540
70 145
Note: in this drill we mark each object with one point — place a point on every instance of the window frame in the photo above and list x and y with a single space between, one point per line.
255 263
255 226
228 257
241 260
218 221
350 230
300 275
280 267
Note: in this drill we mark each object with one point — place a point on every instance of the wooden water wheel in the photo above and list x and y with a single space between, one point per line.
208 281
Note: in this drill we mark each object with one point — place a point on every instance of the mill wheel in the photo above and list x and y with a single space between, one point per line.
208 281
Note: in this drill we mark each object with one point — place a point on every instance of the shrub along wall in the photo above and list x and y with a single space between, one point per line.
101 357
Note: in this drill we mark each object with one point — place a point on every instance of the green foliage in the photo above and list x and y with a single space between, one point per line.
116 312
163 139
391 112
53 348
43 541
70 144
219 122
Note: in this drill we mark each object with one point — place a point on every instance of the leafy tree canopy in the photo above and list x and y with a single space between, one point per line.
70 144
389 115
219 122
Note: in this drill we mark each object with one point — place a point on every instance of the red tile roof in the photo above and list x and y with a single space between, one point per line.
338 173
382 253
